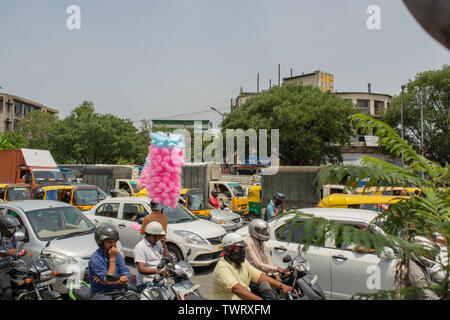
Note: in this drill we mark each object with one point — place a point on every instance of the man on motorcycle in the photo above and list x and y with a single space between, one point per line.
256 252
276 206
8 244
233 274
213 201
148 254
106 260
420 275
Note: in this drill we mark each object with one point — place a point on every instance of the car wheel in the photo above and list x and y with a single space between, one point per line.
175 253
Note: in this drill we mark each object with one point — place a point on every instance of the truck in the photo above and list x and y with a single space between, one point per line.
29 166
123 178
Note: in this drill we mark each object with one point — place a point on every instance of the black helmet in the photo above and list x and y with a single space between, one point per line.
39 193
7 222
278 196
106 231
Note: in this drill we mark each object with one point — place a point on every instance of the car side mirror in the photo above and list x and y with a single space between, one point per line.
387 254
111 277
287 258
20 236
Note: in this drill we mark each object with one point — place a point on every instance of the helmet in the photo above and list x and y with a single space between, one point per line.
39 193
114 192
259 229
232 239
106 231
154 228
428 245
7 223
278 196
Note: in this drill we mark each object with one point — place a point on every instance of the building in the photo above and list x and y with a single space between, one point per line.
14 108
241 99
325 81
182 124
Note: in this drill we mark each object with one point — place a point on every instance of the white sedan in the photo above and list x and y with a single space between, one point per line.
188 238
341 271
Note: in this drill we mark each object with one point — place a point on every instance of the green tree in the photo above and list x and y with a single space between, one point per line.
427 215
91 138
311 122
4 143
34 129
434 86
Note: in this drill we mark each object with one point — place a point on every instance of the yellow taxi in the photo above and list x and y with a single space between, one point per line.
14 191
369 202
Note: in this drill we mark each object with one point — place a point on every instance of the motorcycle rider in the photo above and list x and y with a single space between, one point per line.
39 193
8 244
233 273
419 274
213 201
148 254
106 260
276 206
256 251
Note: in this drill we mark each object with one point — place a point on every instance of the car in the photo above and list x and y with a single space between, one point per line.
189 238
341 271
227 219
65 233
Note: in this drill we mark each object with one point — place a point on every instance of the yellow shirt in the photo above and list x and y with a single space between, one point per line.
226 276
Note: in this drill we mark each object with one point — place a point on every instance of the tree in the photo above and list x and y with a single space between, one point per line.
91 138
4 143
435 89
34 129
427 215
311 122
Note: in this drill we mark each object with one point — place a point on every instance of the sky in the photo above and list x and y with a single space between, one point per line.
174 59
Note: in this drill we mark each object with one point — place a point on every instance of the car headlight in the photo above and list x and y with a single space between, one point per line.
59 258
190 237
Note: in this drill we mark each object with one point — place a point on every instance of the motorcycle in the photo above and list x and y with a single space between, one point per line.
301 279
31 281
182 287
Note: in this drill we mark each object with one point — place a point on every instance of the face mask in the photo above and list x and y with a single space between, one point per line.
237 257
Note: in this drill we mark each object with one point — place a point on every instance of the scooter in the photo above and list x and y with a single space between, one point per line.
31 281
301 279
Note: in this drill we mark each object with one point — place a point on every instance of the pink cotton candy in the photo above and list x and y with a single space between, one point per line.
136 227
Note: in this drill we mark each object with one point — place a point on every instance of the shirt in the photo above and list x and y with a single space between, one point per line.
99 265
7 244
154 216
214 202
226 275
256 254
148 254
418 277
270 211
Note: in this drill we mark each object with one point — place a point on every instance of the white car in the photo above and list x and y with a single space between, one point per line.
341 272
189 238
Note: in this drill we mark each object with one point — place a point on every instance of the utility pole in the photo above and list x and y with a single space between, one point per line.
401 118
257 83
279 75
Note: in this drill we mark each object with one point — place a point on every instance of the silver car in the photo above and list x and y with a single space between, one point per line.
65 233
341 271
189 238
227 219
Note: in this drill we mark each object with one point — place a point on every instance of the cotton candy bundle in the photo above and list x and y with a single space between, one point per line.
162 177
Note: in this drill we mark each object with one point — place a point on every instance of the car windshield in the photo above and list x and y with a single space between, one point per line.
236 189
52 223
85 197
18 193
47 175
178 214
195 202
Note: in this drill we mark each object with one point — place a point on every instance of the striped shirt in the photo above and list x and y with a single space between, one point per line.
7 244
256 255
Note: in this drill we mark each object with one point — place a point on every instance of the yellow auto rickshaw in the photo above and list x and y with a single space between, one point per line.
15 191
194 201
369 202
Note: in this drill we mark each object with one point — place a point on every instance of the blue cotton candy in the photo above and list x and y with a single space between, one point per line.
164 140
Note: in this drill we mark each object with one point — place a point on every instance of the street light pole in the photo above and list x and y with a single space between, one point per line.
223 116
401 118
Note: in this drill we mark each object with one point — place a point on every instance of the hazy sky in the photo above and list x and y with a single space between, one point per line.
162 58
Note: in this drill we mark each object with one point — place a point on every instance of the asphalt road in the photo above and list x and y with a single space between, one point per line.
201 277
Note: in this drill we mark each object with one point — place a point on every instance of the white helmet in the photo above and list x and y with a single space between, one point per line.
259 229
428 245
231 239
154 228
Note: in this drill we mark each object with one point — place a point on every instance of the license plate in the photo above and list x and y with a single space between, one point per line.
46 283
314 280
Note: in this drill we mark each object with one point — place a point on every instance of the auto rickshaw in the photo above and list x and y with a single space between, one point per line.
369 202
15 191
254 201
81 196
195 202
